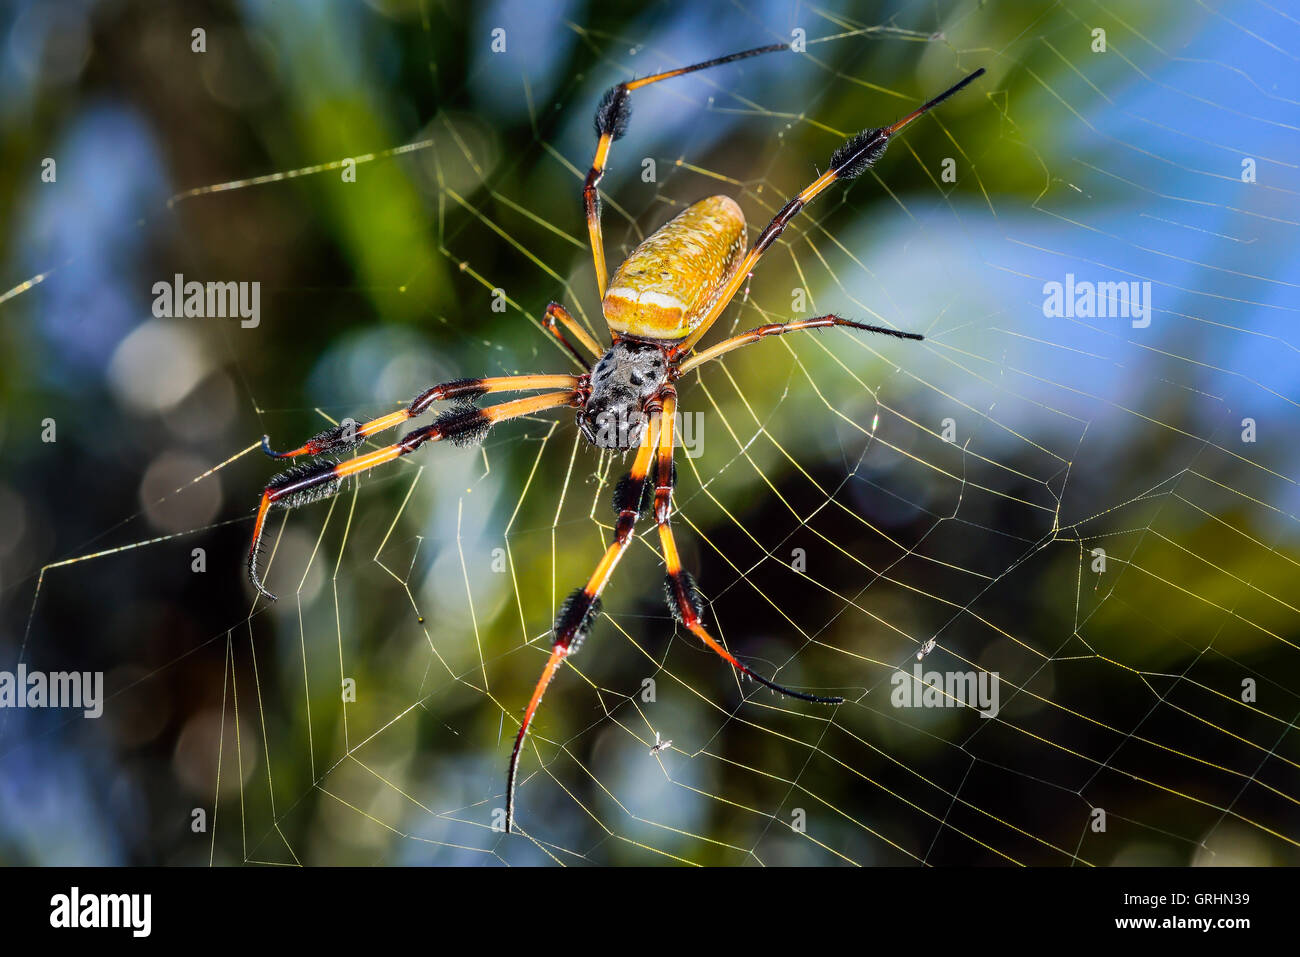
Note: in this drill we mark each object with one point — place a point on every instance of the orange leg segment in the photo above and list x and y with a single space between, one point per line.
780 329
351 434
556 316
462 425
611 123
684 596
850 160
582 607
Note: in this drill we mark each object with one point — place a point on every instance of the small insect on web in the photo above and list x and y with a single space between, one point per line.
658 305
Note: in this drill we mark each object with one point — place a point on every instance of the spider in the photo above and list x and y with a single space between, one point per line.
660 303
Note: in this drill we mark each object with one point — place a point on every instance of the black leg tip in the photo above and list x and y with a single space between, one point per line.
256 582
270 452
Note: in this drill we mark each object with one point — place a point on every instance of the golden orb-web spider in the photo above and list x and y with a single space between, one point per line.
661 301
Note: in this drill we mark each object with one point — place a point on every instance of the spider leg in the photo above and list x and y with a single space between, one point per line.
683 595
351 434
780 329
611 123
582 607
554 312
461 425
852 159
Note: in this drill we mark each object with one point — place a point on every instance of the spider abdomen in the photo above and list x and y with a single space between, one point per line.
668 283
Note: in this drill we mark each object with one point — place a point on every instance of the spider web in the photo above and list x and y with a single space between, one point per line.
847 503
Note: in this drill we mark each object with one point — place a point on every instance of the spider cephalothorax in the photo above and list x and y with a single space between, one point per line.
662 300
623 382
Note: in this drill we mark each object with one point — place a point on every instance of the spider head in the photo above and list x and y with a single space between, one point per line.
622 382
613 424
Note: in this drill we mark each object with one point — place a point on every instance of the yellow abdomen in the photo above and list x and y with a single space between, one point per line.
668 283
